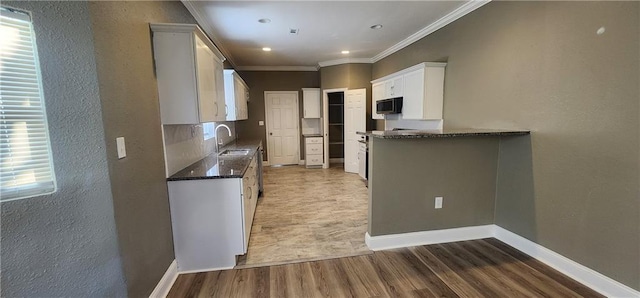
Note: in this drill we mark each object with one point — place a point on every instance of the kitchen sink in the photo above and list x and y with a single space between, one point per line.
234 152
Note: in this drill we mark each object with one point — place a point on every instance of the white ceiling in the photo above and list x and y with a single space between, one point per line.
325 29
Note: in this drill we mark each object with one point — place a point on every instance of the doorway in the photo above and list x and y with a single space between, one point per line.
346 115
283 135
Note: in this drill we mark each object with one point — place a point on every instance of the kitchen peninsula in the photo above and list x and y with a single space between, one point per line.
408 169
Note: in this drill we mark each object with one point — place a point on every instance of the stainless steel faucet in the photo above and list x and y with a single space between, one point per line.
218 140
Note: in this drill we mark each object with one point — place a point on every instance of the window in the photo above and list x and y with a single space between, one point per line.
26 167
209 130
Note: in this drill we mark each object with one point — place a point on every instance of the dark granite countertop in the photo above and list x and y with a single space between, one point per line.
216 167
441 133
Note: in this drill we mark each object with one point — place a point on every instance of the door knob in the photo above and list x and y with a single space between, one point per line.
270 133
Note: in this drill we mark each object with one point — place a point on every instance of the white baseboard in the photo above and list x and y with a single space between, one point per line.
265 163
301 162
589 277
166 282
206 270
336 160
427 237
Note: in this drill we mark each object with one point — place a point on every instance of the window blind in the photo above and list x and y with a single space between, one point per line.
26 166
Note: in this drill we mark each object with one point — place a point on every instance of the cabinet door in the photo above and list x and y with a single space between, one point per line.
221 107
397 86
240 98
423 94
311 103
362 163
413 99
247 205
207 109
176 76
377 94
230 95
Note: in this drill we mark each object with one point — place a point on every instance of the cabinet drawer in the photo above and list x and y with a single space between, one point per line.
314 160
313 149
316 140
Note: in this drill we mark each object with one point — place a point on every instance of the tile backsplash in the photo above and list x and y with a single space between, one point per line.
395 121
186 144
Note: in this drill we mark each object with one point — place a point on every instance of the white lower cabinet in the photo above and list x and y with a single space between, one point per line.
211 220
313 151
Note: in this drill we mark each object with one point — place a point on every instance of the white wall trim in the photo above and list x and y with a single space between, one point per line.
301 162
166 282
265 163
277 68
383 242
344 61
205 270
446 20
587 276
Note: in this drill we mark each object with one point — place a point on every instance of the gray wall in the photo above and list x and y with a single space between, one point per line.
461 170
65 244
261 81
131 109
541 66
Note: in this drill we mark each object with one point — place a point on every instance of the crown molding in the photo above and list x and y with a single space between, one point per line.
449 18
446 20
277 68
344 61
208 29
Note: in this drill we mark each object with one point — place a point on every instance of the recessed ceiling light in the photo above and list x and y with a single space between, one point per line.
264 21
345 52
266 49
376 26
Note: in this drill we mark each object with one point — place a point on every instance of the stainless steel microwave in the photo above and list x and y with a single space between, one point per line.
389 106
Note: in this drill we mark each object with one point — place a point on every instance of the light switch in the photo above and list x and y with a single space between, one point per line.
261 123
122 151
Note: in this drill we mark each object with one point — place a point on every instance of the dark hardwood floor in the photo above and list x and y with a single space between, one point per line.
479 268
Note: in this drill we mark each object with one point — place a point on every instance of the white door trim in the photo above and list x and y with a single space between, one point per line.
325 122
266 122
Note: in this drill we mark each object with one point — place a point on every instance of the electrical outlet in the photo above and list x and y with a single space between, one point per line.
438 202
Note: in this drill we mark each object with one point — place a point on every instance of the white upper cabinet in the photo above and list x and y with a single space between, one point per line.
221 105
424 92
236 96
421 88
187 73
311 102
393 87
377 93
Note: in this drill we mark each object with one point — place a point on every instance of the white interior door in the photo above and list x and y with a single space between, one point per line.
282 128
354 120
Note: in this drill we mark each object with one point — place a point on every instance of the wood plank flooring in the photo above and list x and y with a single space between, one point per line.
478 268
308 214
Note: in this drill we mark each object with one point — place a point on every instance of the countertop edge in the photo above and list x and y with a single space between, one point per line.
422 134
246 159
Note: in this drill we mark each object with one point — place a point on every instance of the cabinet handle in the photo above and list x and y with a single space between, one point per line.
226 110
250 193
215 103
